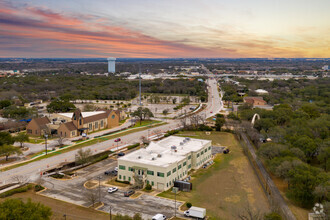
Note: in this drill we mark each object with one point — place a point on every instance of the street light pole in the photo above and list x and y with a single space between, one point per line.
46 136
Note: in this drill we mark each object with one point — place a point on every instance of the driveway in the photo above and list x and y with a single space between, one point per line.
73 191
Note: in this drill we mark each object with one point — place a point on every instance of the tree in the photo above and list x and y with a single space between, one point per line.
21 138
6 138
89 108
165 112
219 122
142 113
272 216
18 210
83 156
91 195
60 106
60 140
174 100
4 103
7 150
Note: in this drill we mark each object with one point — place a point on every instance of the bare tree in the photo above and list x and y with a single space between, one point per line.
249 214
83 156
91 195
20 179
144 140
60 140
158 133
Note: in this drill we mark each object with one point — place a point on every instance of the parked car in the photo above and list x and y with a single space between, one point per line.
116 169
226 151
129 193
108 172
114 172
159 217
121 154
112 189
117 140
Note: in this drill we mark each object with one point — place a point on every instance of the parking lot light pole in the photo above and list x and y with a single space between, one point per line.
110 213
99 177
46 136
175 190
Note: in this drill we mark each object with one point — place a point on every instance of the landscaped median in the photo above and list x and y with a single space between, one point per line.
85 143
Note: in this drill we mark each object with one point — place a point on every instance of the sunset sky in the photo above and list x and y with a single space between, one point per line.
159 28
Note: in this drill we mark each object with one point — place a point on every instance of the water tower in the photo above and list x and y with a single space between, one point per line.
111 64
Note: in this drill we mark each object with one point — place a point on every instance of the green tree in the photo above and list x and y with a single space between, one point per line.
272 216
7 150
4 103
60 106
15 209
6 138
21 138
165 112
307 145
219 122
142 114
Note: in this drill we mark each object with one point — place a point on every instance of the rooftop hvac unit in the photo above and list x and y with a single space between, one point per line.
173 147
181 143
187 139
153 158
159 155
139 157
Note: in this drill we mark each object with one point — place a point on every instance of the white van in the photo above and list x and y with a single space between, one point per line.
159 217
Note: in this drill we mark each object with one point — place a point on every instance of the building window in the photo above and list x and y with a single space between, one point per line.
119 176
202 152
96 125
168 173
148 182
36 132
205 150
184 163
209 147
124 178
197 155
179 167
152 183
189 157
189 166
160 174
79 121
73 133
102 124
130 169
122 167
29 131
113 116
150 172
90 126
129 178
174 170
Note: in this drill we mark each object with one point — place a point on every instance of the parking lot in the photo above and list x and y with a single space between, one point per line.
73 191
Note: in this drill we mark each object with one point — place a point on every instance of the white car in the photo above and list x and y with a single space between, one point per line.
159 217
112 189
116 169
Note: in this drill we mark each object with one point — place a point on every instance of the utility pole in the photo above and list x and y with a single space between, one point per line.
99 177
175 190
46 136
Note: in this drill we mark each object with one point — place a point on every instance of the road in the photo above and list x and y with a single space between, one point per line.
33 169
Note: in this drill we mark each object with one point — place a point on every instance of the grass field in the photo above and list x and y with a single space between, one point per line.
226 188
59 208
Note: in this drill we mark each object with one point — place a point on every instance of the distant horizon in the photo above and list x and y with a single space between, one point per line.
173 58
165 29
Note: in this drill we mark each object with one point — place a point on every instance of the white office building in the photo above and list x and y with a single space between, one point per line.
111 64
165 161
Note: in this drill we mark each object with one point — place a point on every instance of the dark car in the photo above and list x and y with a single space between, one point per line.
129 193
121 154
226 151
108 172
117 140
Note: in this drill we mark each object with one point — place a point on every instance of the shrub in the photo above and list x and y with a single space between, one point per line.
17 190
57 176
133 146
148 187
272 216
171 132
38 188
188 204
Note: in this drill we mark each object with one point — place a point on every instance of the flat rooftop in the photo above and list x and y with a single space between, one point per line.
84 114
165 152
